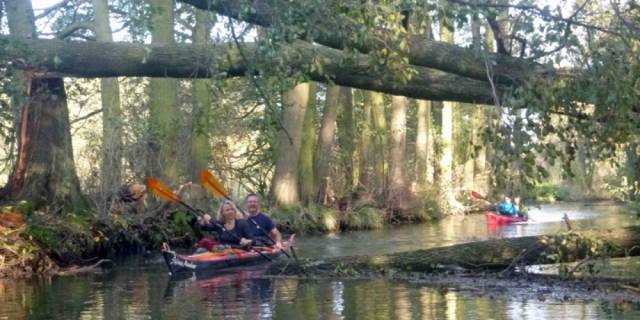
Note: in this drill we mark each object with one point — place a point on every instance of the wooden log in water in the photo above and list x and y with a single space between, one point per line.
489 254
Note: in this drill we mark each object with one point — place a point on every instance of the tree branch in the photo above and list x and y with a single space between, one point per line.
422 51
85 117
75 26
542 12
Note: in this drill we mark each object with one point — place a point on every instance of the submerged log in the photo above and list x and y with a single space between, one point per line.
489 254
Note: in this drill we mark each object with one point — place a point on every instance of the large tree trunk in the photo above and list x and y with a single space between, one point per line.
346 138
200 147
422 50
112 145
446 182
398 134
285 178
44 172
492 254
326 139
86 59
307 148
163 158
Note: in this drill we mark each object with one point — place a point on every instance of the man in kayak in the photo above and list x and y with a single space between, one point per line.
262 227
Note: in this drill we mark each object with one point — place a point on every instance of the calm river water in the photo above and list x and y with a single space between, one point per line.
140 289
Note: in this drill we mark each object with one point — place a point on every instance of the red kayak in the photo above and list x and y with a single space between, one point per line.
495 218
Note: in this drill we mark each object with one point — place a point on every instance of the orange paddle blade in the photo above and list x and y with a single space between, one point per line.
477 195
212 185
161 190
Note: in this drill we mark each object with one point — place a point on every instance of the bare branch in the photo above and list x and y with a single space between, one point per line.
75 26
542 12
85 117
51 9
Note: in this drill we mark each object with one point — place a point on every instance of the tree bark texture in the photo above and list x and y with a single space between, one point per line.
285 177
326 141
163 158
200 146
380 142
44 172
307 148
398 141
346 137
112 144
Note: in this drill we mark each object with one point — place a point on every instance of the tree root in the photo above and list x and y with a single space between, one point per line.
99 266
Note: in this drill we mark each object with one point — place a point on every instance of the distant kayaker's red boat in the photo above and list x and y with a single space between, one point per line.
495 218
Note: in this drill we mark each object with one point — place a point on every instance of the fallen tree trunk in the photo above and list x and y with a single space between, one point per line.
95 60
489 254
336 31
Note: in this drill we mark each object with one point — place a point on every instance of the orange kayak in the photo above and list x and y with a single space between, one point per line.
212 261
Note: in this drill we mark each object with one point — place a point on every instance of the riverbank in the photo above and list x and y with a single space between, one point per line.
44 243
82 239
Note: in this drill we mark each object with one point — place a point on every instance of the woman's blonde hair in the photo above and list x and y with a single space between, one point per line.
220 216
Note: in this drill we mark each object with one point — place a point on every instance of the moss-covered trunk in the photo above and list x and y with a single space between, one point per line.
307 148
367 175
200 147
326 139
346 138
112 145
380 143
163 159
92 59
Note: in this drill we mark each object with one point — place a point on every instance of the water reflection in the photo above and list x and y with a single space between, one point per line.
544 220
241 296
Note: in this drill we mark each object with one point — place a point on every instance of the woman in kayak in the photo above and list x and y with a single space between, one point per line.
232 229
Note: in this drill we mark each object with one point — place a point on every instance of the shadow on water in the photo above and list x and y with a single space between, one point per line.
139 289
